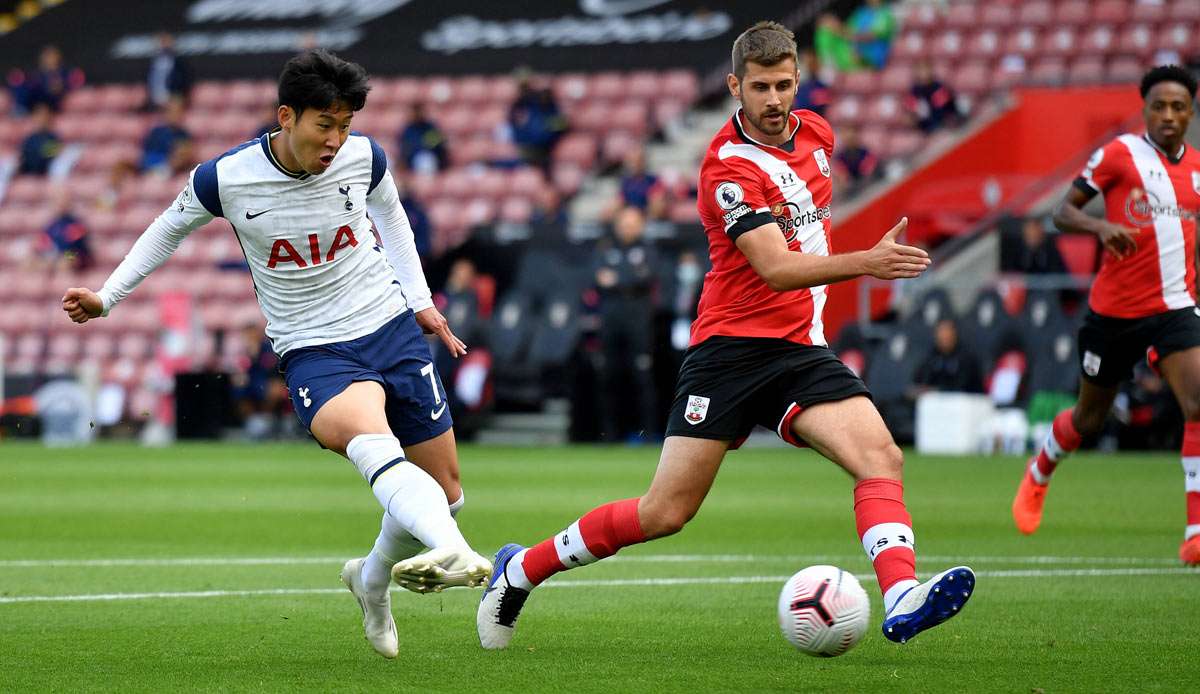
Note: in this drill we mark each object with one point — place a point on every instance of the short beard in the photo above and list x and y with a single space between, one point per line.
761 125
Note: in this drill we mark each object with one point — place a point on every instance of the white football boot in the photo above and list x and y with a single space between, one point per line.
496 618
378 624
929 604
438 569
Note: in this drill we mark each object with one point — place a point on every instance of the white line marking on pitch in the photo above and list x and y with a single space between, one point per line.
639 558
586 583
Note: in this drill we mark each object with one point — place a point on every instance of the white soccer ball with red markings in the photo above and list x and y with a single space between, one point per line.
823 610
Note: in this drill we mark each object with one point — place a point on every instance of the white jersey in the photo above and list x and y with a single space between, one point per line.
318 273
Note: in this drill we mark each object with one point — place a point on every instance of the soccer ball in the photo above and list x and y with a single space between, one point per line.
823 610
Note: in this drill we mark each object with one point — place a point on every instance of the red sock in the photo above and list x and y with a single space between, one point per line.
1062 440
885 529
1191 477
598 534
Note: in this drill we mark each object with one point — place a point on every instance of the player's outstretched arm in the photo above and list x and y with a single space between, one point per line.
1070 217
783 270
82 304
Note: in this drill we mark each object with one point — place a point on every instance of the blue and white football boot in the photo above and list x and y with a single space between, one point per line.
496 618
928 604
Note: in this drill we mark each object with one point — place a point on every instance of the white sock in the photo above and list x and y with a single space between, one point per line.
393 544
893 594
407 493
515 572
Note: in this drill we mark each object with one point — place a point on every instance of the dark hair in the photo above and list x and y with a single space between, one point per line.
765 43
318 78
1168 73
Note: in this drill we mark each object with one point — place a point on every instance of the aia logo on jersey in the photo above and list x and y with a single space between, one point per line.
282 251
822 162
791 218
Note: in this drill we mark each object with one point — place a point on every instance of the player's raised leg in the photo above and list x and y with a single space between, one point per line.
851 433
353 423
440 567
685 473
1182 371
1066 433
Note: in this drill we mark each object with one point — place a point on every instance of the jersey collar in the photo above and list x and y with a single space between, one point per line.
788 145
1173 159
266 146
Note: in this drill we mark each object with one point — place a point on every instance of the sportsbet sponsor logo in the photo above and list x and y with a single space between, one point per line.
1142 207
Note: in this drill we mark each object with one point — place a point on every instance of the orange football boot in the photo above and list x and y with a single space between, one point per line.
1189 551
1027 507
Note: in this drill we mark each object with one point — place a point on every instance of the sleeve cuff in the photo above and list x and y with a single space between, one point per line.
105 301
1082 184
749 222
418 306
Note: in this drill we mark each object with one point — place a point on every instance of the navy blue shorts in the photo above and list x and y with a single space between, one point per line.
396 356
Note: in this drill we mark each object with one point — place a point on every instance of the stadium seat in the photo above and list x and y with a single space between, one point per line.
1179 36
846 110
1086 70
1185 9
1111 11
924 16
1051 71
984 45
1073 13
1125 70
1059 42
436 91
962 15
987 329
1098 40
858 82
947 45
1036 13
896 78
1136 40
971 78
617 145
1023 42
1080 252
568 178
911 46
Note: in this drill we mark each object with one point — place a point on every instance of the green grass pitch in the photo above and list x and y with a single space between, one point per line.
214 568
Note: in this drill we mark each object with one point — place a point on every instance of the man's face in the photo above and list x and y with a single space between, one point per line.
1168 111
317 135
766 94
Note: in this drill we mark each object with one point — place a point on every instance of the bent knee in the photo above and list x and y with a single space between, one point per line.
882 461
664 520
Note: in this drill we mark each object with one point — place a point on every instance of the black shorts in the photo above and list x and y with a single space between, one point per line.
727 385
1110 347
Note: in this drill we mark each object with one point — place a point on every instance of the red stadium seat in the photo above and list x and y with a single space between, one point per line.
631 116
472 90
643 84
1059 42
874 139
996 16
1111 11
527 181
1098 40
1079 252
1125 70
1048 71
962 15
437 90
83 100
1022 42
984 45
1086 70
607 85
577 148
680 84
1179 36
685 212
1036 13
1073 12
1185 9
99 346
593 117
668 110
858 82
617 144
1136 40
896 78
847 110
516 210
885 110
948 44
567 178
971 78
909 47
407 90
469 150
923 16
570 88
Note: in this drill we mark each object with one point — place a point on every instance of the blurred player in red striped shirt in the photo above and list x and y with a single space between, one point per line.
758 356
1143 301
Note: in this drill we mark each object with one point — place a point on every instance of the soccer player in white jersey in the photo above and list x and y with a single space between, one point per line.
345 315
1143 301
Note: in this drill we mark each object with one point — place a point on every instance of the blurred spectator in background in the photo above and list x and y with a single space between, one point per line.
1039 253
422 143
119 177
834 48
873 27
626 283
167 146
949 367
812 92
639 188
856 162
258 390
418 219
64 242
169 76
549 215
48 84
931 104
41 146
536 122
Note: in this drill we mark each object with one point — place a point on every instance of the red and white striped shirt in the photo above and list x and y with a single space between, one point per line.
743 185
1159 195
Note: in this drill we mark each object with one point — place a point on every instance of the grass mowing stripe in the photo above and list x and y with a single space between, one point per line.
648 558
585 583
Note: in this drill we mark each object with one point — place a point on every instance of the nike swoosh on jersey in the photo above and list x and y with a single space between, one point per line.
252 215
437 414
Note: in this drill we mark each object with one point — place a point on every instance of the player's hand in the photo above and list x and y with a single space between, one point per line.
889 260
434 323
82 304
1118 240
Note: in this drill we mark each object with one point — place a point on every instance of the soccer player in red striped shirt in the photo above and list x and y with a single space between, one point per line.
1143 301
758 357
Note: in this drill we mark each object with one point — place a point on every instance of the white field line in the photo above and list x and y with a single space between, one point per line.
798 559
682 581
